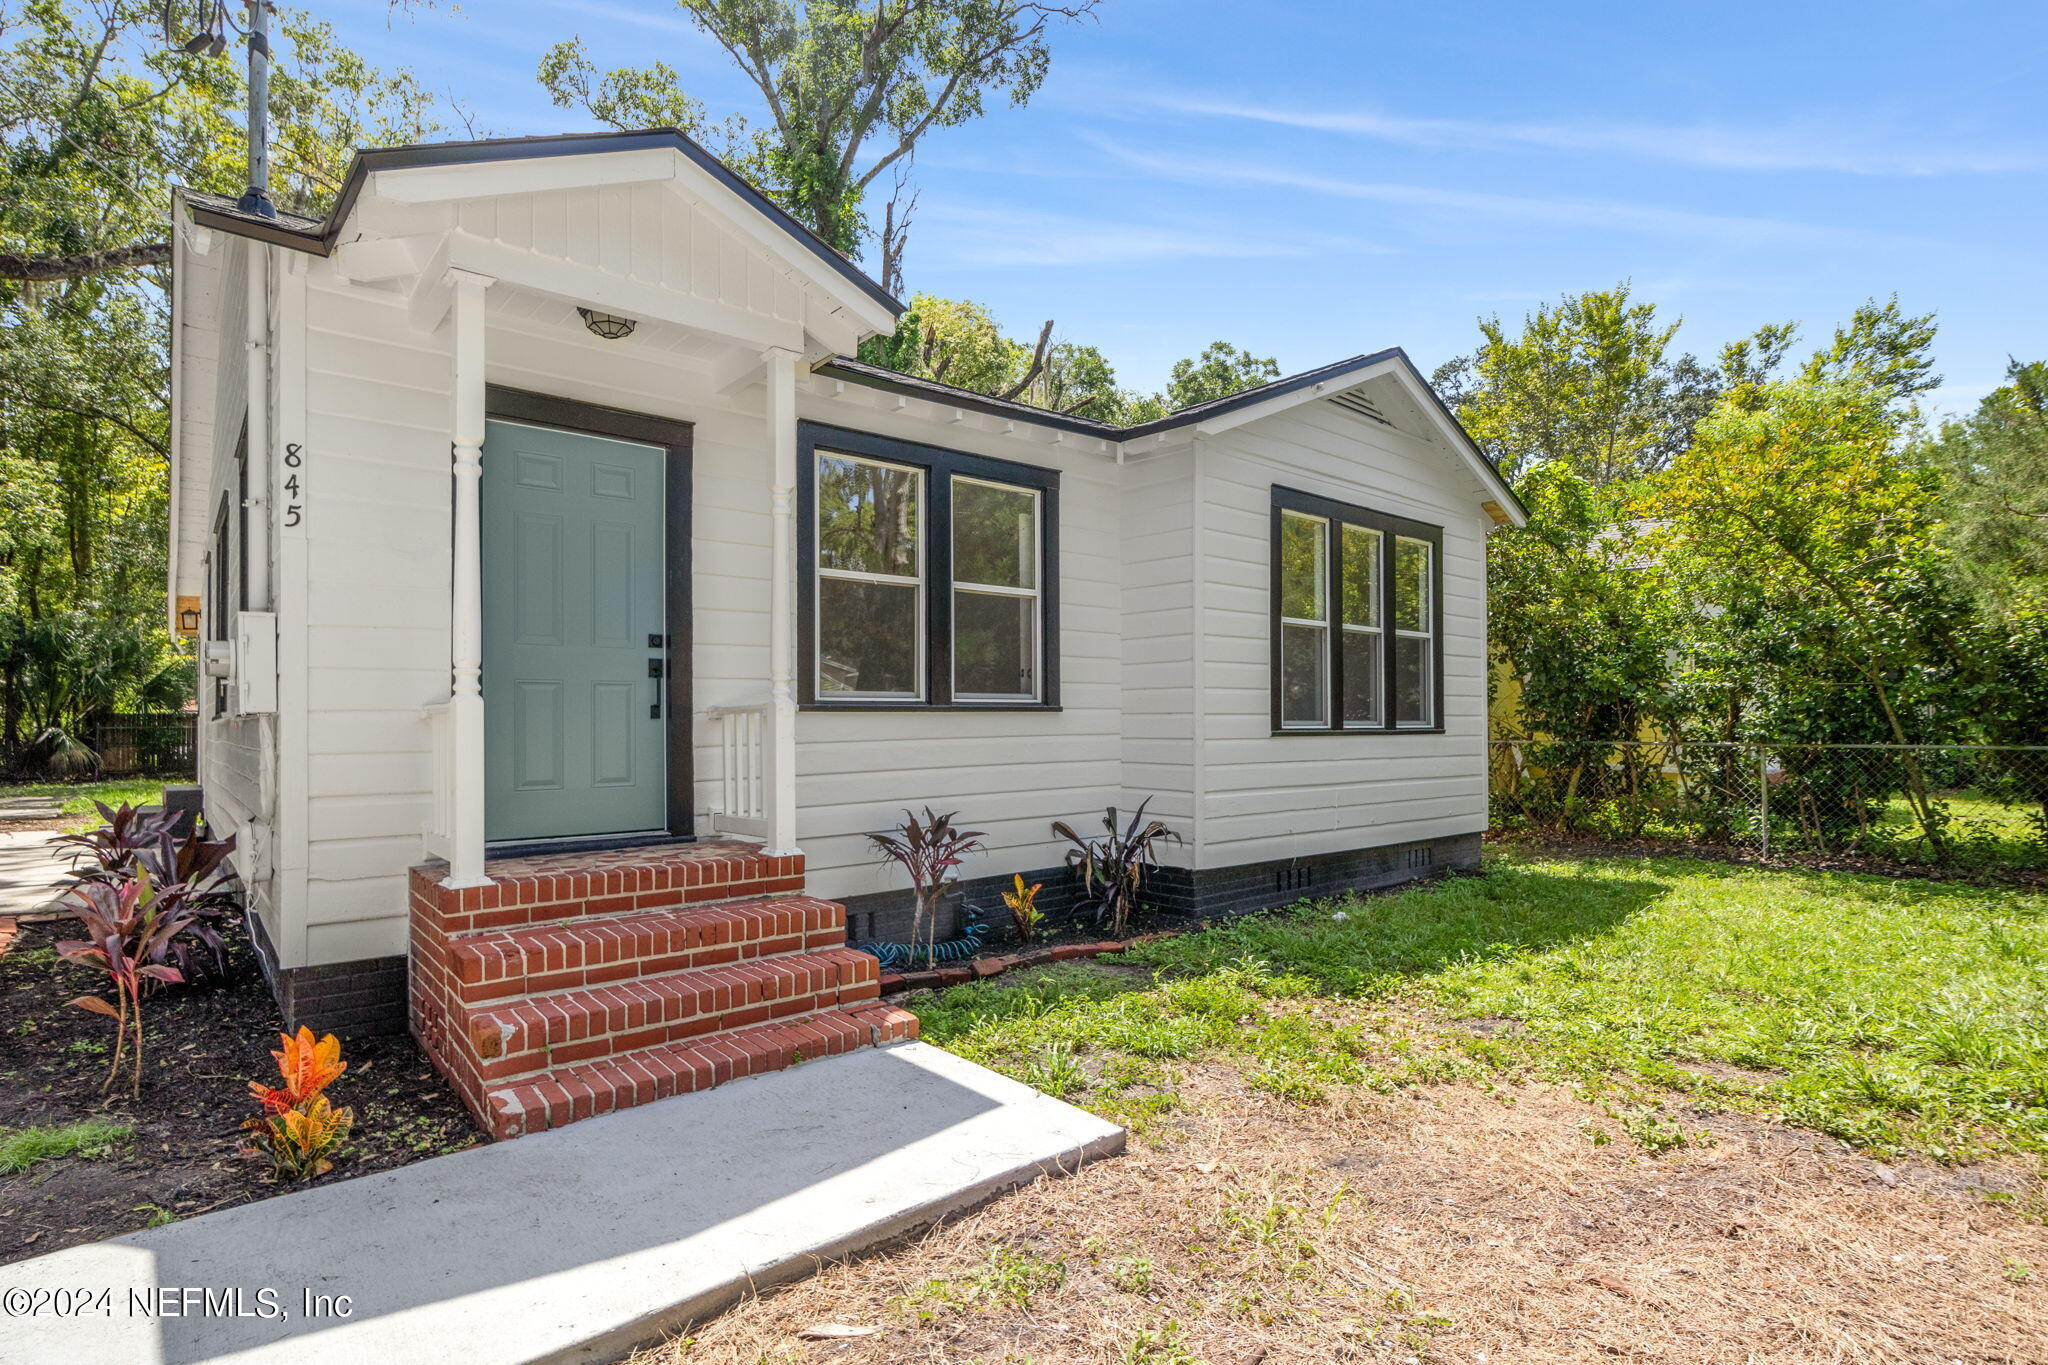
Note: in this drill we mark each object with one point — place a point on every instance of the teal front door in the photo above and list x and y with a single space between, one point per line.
575 710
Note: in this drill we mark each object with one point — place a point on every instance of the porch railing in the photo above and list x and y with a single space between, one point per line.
742 740
441 812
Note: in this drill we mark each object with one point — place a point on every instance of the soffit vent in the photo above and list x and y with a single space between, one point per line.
1354 401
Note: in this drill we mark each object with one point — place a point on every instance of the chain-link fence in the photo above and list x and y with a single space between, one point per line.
1983 806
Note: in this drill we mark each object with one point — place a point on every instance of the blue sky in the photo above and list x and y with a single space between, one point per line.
1328 178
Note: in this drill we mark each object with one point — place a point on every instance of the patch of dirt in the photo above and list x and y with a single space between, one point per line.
203 1047
1732 1074
1448 1225
56 825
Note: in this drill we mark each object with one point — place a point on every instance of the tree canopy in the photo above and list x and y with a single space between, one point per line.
102 109
847 89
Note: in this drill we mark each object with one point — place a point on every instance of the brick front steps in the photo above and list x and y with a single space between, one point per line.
576 985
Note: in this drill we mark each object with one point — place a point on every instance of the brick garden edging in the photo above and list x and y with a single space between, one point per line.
981 968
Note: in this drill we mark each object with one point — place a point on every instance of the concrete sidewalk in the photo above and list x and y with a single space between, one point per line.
571 1245
29 871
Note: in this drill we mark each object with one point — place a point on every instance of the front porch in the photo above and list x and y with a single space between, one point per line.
570 985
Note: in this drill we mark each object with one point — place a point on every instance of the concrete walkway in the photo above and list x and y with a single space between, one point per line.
571 1245
29 871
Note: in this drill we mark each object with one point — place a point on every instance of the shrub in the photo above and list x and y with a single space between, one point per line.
1113 868
928 850
1025 916
134 841
299 1129
129 930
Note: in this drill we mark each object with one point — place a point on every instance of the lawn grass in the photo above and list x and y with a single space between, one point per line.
21 1148
1901 1016
76 798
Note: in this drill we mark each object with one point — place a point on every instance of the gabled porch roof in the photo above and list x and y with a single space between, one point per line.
506 165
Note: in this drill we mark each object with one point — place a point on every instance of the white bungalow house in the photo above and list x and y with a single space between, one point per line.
573 605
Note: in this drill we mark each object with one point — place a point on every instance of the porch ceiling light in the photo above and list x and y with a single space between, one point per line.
607 325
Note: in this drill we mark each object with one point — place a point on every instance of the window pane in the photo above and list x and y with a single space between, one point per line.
995 535
1363 663
1414 689
1361 576
995 645
1303 687
1303 567
867 637
867 516
1411 584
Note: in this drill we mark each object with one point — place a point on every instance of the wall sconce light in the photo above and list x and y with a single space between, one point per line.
607 325
188 616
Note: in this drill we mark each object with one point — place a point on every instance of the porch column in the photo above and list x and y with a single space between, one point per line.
781 366
466 699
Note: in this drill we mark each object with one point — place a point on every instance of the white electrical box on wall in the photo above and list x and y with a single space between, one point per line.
255 675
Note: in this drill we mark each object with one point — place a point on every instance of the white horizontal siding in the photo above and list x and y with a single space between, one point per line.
1269 796
1158 645
1162 575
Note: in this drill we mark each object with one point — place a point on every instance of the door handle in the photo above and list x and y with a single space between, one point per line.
654 671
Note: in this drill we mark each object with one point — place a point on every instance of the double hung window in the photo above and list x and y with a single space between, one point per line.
1356 619
929 575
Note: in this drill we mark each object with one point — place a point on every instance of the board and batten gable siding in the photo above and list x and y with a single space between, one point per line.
644 234
1268 796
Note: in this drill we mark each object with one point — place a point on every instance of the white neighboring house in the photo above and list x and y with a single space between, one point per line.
481 581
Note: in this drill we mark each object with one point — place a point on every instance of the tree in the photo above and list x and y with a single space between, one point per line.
1992 469
1798 502
1885 348
1218 372
836 77
101 108
959 342
1579 622
1588 381
1994 479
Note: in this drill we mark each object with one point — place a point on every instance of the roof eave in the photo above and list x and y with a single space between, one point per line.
370 160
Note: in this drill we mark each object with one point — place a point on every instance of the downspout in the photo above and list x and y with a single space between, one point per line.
256 336
256 302
175 458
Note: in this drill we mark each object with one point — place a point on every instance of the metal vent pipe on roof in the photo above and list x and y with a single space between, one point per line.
256 199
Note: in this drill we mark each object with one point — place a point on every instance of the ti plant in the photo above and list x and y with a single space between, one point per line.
300 1129
128 928
108 852
1113 867
1025 916
190 869
929 850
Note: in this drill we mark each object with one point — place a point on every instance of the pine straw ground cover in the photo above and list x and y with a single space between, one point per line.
1580 1110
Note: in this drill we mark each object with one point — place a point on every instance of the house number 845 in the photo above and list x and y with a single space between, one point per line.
293 512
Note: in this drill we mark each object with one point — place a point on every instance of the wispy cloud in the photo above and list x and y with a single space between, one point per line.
1788 148
628 14
963 236
1602 214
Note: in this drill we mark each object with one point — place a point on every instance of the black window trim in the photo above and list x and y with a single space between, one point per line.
940 464
1391 528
